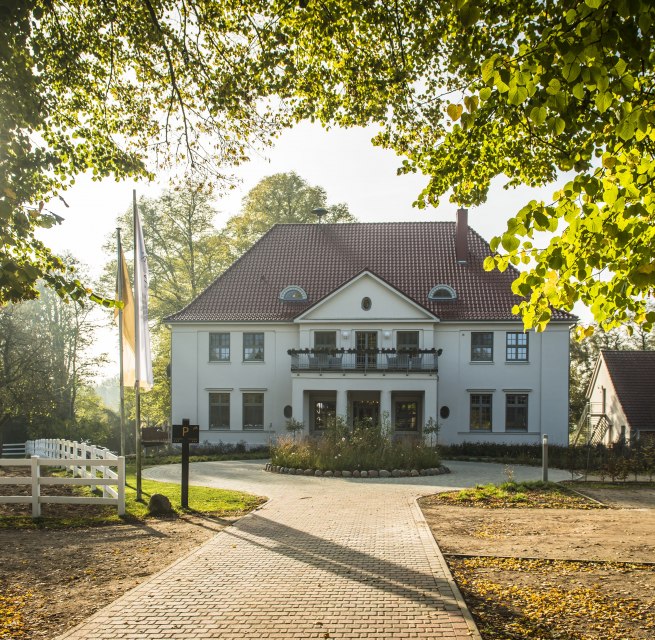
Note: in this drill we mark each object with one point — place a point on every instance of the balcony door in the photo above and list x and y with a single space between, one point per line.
366 341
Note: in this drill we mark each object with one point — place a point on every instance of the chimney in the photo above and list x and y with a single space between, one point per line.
461 232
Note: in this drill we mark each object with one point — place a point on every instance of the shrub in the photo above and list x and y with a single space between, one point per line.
343 449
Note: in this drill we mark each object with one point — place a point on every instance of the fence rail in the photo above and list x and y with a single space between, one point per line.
95 467
13 450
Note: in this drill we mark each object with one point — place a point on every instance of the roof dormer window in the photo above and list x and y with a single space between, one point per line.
442 292
293 293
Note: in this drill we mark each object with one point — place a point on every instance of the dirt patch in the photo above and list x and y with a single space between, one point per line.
621 496
53 579
555 596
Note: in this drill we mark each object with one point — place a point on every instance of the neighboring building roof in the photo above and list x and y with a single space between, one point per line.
633 377
412 257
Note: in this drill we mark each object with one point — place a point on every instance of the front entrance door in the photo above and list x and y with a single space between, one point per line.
366 413
366 343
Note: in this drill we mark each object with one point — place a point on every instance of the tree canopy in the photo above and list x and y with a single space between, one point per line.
282 198
528 90
465 91
118 89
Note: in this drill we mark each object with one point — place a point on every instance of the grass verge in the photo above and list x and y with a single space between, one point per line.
540 495
218 503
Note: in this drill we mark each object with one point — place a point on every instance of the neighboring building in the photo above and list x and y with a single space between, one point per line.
394 322
620 398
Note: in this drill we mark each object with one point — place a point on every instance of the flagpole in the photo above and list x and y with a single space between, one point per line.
119 275
137 359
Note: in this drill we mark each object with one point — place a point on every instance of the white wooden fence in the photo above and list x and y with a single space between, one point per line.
91 466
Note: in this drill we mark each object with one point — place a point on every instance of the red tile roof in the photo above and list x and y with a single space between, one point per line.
412 257
633 377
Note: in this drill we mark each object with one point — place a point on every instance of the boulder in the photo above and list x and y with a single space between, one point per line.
160 505
356 473
363 474
373 474
309 472
414 473
318 473
328 474
384 473
346 474
337 474
396 473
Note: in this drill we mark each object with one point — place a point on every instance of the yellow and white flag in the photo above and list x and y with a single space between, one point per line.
143 368
124 294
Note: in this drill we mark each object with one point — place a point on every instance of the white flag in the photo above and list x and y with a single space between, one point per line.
143 359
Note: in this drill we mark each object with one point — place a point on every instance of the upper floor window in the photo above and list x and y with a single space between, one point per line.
482 346
219 347
516 346
407 340
325 339
442 292
253 347
293 294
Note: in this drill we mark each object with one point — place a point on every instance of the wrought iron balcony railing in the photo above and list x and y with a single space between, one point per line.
369 360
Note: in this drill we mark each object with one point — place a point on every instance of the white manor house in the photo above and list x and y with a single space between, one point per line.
394 323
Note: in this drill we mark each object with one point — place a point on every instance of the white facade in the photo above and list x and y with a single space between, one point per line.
482 398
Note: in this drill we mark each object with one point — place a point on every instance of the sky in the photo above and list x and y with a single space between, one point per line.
342 161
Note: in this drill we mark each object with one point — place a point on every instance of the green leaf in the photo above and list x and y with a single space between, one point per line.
603 101
538 115
485 94
510 242
487 70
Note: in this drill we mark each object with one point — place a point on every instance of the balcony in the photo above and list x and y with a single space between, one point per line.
364 361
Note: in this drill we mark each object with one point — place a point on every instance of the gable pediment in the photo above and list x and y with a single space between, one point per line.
348 303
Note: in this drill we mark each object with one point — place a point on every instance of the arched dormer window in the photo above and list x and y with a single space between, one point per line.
293 293
442 292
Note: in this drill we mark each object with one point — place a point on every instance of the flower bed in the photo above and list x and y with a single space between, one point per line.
363 448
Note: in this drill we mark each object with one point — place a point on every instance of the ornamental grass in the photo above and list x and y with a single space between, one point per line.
361 448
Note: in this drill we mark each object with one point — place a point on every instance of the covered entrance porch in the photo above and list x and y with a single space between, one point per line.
402 411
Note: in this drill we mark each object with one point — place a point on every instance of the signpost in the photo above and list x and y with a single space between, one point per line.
185 434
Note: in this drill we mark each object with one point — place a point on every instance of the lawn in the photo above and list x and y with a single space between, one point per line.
202 500
544 495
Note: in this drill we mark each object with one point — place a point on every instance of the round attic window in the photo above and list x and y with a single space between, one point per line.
293 294
366 303
442 292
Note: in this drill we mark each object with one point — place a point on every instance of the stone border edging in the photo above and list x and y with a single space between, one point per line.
434 553
379 473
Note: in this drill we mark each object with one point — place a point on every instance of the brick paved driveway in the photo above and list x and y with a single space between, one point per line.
325 558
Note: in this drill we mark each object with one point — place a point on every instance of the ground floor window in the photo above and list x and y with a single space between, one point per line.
324 411
219 410
516 412
480 412
253 411
407 410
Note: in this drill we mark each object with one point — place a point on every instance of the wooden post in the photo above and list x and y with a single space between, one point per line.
36 487
120 489
185 469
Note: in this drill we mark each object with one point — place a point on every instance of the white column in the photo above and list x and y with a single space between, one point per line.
342 403
385 406
297 403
